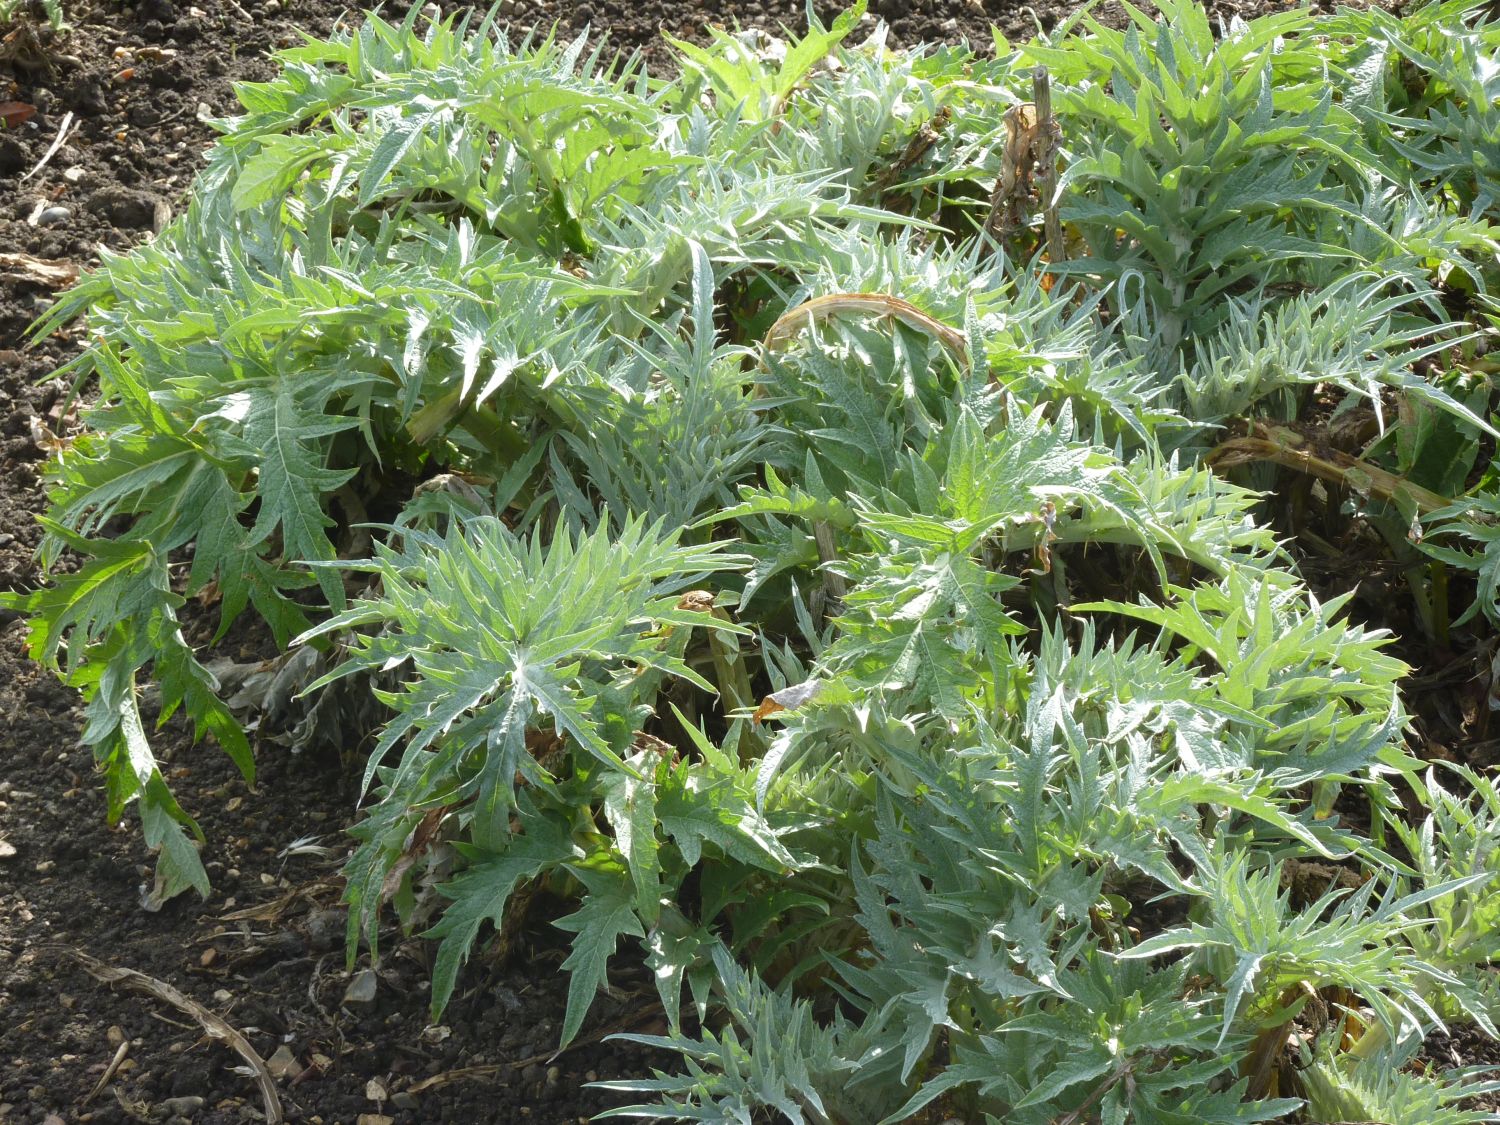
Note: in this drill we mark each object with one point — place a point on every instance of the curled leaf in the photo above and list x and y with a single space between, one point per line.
788 699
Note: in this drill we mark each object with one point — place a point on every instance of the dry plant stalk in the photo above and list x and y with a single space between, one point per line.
807 313
1284 446
1046 144
215 1026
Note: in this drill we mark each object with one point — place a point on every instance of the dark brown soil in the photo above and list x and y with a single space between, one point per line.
266 951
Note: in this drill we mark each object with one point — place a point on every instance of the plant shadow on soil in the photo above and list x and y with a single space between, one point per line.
136 80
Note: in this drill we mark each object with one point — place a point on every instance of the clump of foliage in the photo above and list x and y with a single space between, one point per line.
13 10
895 642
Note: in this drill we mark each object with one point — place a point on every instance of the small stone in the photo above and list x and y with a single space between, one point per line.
51 216
115 1035
180 1107
405 1100
361 990
554 1075
374 1119
223 996
272 8
75 174
375 1091
7 850
208 957
283 1064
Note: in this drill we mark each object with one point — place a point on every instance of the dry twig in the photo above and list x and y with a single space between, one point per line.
57 143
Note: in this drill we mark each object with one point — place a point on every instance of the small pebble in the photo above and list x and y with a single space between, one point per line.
362 988
51 216
184 1106
73 175
283 1064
